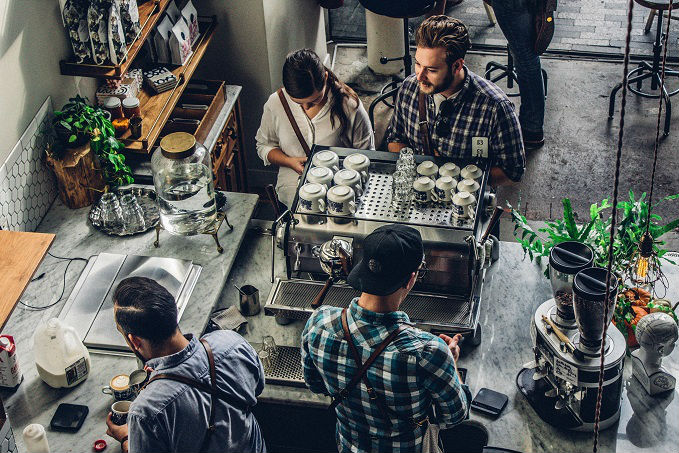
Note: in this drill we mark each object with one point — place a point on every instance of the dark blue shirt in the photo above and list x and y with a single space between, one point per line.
169 416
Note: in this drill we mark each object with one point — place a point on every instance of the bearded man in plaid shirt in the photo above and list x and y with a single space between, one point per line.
466 115
412 382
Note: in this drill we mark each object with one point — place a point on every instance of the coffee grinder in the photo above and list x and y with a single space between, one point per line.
562 383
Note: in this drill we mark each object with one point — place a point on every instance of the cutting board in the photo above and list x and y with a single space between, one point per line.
20 255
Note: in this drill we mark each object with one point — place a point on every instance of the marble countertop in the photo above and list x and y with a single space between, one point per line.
514 289
34 401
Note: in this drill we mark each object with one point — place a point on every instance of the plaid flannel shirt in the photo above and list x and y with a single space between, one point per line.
413 374
481 109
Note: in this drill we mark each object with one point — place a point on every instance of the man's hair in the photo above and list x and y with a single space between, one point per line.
446 32
146 309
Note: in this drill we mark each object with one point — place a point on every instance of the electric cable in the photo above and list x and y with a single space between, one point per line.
63 288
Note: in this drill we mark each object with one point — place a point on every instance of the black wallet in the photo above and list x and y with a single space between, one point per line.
489 402
69 417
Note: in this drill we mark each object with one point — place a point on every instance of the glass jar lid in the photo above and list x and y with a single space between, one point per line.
130 103
111 102
571 257
178 145
590 284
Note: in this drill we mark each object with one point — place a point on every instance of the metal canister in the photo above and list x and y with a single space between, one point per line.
10 374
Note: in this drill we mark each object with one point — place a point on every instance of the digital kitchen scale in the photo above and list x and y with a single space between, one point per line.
89 308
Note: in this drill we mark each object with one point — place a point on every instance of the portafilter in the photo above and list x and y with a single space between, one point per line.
335 257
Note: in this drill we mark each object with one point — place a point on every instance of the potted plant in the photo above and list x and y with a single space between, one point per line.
633 303
85 154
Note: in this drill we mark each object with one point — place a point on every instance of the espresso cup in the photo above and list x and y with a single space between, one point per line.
326 159
119 387
471 171
424 191
463 205
138 379
468 185
428 168
320 175
351 178
445 188
449 169
312 197
341 201
360 163
119 411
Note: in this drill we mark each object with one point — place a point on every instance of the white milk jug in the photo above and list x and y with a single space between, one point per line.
60 355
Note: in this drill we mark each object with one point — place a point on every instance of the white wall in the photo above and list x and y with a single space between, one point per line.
32 41
251 42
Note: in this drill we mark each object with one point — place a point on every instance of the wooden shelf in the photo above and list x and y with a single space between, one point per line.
156 109
149 14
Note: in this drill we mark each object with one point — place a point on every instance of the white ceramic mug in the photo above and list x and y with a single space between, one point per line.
471 171
320 175
428 168
341 201
449 169
326 159
468 185
312 197
463 205
445 188
351 178
360 163
424 190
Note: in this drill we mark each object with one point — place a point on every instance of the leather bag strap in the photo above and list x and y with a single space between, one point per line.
423 123
213 392
363 368
293 123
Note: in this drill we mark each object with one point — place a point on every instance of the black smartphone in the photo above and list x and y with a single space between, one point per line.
489 402
69 417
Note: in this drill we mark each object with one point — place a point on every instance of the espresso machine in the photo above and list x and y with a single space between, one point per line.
447 299
561 384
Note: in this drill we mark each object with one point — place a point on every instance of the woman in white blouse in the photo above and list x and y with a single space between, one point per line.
326 111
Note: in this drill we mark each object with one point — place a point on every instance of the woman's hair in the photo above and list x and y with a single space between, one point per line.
446 32
304 73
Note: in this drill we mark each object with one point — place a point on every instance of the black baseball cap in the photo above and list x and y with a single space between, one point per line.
390 254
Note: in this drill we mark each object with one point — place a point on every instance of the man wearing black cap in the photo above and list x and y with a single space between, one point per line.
385 402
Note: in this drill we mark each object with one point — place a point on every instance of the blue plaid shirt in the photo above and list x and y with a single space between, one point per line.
414 374
481 109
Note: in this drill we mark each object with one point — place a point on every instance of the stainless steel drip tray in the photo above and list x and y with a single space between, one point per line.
89 308
292 299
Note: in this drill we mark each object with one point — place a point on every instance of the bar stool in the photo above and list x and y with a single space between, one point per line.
399 9
507 71
651 70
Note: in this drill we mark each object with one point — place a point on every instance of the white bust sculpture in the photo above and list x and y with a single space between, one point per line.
656 333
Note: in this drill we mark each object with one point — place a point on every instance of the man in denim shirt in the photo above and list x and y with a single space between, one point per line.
170 416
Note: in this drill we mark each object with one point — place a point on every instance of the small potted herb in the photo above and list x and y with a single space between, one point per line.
76 123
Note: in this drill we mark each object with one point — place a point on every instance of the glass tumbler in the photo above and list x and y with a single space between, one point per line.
400 190
269 345
133 216
111 213
265 358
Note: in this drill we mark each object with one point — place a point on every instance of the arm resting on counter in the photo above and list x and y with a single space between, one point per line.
395 147
277 157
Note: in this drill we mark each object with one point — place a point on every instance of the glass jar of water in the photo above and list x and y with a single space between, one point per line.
182 176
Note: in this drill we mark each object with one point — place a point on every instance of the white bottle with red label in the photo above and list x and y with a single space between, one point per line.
61 357
10 374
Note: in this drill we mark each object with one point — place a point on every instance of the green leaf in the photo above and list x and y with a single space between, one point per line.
571 227
66 125
72 138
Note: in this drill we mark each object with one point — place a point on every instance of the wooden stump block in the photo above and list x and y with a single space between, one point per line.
79 177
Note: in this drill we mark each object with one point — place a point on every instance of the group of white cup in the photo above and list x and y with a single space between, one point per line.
427 188
329 189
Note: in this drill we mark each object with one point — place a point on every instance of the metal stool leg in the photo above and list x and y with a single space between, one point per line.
649 21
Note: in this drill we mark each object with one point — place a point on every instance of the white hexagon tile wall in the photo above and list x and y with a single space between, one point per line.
27 184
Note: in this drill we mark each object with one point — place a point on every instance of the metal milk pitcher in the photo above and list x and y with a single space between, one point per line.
249 300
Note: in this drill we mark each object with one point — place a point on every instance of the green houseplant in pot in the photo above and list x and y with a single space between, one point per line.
632 214
85 155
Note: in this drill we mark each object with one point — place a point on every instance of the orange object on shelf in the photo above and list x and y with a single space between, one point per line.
120 125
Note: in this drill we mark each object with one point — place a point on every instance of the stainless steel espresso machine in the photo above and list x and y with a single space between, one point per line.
562 383
319 250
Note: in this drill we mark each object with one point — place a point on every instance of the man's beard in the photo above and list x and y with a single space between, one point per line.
443 86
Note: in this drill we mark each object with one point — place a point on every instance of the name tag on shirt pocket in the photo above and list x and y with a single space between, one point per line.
480 147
